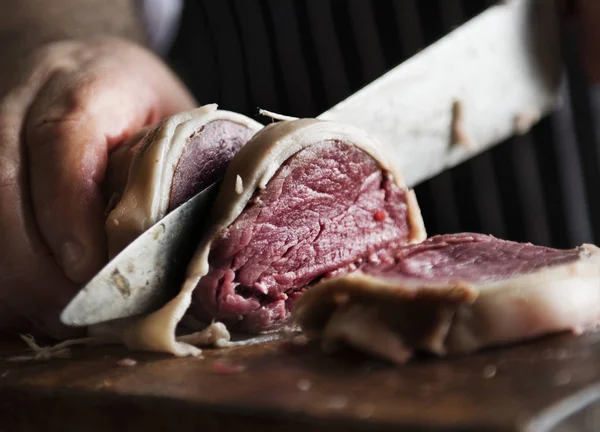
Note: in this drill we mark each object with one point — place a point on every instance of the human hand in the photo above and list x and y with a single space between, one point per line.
62 109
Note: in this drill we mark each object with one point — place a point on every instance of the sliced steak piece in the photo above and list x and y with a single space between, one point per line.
302 200
151 175
455 294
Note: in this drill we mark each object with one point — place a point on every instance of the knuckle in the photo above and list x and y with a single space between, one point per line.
79 98
67 102
70 115
71 105
52 133
60 120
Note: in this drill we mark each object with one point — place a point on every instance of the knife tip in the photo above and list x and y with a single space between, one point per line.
67 318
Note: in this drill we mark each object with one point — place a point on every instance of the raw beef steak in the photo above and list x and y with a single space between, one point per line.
303 200
455 294
172 162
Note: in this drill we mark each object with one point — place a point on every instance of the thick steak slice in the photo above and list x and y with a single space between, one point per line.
455 294
302 200
172 162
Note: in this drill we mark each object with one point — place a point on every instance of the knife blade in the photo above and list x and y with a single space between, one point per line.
148 272
491 78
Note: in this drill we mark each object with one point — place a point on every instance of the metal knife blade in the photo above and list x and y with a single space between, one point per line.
148 272
503 67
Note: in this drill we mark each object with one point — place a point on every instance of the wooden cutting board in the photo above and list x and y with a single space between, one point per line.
528 387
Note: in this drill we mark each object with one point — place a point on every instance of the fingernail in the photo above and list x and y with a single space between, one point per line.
70 255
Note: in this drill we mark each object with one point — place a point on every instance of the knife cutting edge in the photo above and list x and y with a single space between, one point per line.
147 273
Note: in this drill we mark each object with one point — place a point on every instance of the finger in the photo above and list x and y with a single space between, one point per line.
30 282
72 126
67 136
588 18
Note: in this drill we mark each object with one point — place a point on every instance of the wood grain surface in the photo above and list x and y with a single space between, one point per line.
528 387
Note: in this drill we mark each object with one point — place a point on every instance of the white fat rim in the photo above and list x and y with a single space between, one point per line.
581 278
567 298
173 139
587 264
155 332
263 155
143 202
